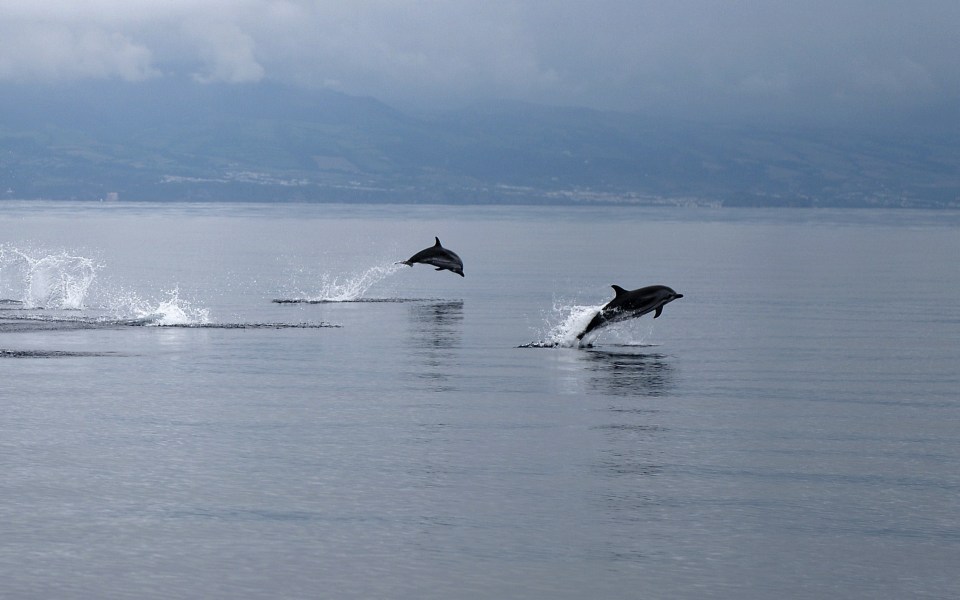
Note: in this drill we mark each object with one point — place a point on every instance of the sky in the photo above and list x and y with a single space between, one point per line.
804 61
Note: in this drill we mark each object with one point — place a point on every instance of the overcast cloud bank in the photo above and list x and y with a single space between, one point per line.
810 62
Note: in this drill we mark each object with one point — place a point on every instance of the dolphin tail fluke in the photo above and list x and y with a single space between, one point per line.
596 321
586 330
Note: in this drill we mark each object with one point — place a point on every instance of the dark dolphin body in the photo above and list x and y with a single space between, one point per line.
631 304
439 257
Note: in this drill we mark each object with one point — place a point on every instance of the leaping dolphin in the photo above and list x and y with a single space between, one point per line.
631 304
439 257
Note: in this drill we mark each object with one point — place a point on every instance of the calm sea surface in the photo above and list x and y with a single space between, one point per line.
168 429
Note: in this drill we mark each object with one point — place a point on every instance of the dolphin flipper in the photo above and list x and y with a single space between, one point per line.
659 310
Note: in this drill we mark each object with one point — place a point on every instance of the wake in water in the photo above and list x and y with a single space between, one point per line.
356 300
23 323
50 354
60 282
351 288
130 310
121 309
43 290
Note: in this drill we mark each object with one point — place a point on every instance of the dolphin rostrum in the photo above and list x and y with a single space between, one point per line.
439 257
631 304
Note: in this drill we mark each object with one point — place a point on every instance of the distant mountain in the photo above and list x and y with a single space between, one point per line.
181 140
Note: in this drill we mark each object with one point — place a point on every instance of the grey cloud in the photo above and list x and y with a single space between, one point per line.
226 53
56 52
697 58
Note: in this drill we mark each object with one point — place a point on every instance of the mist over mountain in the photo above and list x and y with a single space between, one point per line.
184 140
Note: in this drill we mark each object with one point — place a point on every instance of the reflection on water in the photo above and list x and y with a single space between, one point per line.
621 373
631 455
436 330
437 324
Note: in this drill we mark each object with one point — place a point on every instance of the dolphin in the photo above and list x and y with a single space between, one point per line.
631 304
439 257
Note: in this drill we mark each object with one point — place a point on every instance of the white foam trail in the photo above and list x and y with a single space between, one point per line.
353 287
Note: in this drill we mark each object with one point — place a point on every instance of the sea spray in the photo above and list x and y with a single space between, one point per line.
55 280
172 310
566 320
59 280
563 323
355 286
175 311
46 290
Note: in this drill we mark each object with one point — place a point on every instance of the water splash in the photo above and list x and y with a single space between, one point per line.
352 287
57 280
563 324
132 309
175 311
54 281
566 320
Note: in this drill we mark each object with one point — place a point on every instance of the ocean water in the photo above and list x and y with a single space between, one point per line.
255 401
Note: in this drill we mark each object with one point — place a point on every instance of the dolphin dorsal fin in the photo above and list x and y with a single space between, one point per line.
617 290
437 245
